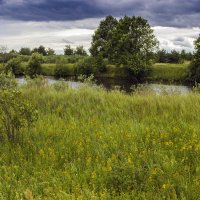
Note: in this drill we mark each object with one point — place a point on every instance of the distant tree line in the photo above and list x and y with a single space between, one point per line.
162 56
26 51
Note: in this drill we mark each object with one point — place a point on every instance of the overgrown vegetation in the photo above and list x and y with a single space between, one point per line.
16 112
195 65
129 42
91 144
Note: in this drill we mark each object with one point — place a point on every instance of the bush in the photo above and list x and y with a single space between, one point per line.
4 58
137 67
16 115
74 58
7 81
14 66
34 64
87 66
24 58
61 68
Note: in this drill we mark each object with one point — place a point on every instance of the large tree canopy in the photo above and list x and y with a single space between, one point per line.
129 41
102 37
195 66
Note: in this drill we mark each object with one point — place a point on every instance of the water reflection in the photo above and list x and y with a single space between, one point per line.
125 85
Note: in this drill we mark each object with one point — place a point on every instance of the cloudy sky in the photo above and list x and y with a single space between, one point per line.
55 23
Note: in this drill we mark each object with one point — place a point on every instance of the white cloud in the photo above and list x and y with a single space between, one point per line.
169 37
17 34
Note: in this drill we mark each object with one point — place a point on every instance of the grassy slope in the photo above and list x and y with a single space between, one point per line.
169 72
90 144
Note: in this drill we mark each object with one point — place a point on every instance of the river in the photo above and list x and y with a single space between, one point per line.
124 85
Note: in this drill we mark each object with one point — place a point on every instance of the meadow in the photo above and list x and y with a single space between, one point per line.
92 144
169 72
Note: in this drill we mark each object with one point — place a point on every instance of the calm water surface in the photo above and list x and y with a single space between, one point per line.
124 85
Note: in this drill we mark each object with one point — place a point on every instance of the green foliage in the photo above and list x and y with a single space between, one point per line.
61 69
100 64
7 81
80 51
127 41
50 52
25 51
137 66
17 114
102 36
162 56
195 65
14 66
68 50
169 72
41 50
34 64
86 66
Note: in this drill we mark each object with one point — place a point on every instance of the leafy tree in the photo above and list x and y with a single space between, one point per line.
102 37
34 64
186 55
161 56
50 52
133 37
25 51
3 54
80 51
125 41
14 66
195 66
68 50
41 50
174 57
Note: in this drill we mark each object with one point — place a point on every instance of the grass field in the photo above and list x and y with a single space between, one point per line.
169 72
92 144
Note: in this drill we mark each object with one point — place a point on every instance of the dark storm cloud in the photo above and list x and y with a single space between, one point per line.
178 13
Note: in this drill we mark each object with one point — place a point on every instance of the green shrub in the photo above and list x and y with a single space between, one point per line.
61 68
74 58
24 58
7 81
16 115
87 66
34 64
14 66
137 67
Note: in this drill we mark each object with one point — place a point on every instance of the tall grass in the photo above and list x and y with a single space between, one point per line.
93 144
169 72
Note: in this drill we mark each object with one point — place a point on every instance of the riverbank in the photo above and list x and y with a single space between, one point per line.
93 144
159 72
